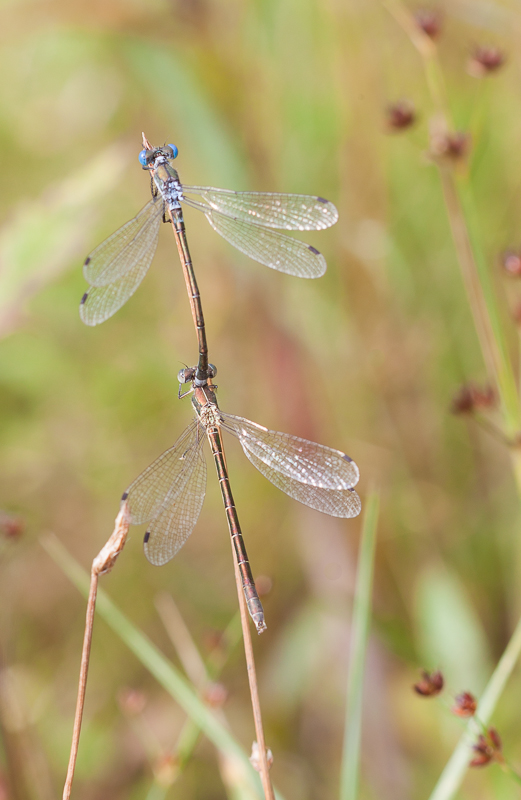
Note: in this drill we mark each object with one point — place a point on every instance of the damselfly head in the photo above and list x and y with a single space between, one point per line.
170 150
186 375
146 156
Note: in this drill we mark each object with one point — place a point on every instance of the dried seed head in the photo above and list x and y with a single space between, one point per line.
473 398
485 60
430 685
483 753
463 401
511 263
487 749
400 115
429 21
450 146
465 705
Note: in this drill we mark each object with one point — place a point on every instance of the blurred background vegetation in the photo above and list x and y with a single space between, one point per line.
282 95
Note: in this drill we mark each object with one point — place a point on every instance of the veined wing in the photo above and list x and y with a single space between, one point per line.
170 530
133 243
275 250
165 478
298 459
290 212
101 302
335 502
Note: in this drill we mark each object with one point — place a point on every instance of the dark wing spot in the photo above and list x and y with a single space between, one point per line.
147 537
124 495
322 200
314 250
87 260
84 298
346 458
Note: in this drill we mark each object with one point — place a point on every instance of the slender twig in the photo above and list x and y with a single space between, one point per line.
159 666
264 768
102 564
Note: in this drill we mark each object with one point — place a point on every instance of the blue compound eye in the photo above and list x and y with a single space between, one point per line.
174 150
143 158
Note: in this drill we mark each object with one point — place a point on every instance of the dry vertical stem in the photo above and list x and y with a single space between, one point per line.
102 564
264 767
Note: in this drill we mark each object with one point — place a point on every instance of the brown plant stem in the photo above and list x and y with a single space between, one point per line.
254 691
102 564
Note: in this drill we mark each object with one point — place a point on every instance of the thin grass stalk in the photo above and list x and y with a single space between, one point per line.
357 653
157 664
82 684
102 564
481 297
452 776
264 768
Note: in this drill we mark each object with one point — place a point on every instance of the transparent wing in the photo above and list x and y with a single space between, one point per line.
162 480
298 459
275 250
101 302
170 530
335 502
290 212
135 242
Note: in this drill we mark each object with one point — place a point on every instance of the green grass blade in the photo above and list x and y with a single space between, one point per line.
359 636
453 774
159 666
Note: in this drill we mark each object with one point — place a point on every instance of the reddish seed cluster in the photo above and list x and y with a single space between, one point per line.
473 398
400 115
429 21
487 749
485 60
451 146
488 746
465 705
430 685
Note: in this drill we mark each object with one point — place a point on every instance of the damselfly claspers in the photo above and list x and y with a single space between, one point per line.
169 494
246 219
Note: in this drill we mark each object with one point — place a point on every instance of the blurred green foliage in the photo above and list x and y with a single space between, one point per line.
287 96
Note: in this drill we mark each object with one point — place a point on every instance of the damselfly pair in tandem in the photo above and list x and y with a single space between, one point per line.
169 494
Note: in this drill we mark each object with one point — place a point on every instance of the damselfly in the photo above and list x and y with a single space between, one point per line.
169 494
246 219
